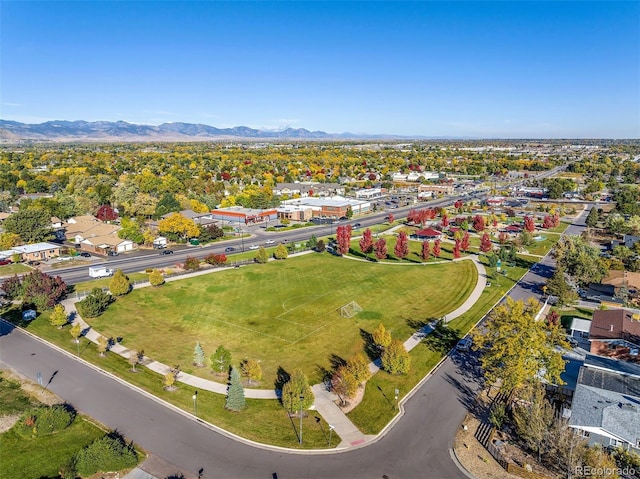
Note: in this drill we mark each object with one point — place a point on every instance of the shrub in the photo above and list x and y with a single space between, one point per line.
43 420
191 263
119 285
156 278
109 453
95 304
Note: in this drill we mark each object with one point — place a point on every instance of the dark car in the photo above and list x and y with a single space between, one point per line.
84 254
166 251
357 225
229 249
113 253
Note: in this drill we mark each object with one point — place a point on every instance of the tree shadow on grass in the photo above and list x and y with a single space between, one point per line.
282 377
370 348
442 339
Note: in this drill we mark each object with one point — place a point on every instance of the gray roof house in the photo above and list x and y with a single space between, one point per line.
606 404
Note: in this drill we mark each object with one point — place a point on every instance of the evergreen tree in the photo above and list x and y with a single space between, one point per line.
198 355
235 394
119 285
592 218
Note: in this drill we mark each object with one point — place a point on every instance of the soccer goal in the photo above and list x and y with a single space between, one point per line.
349 310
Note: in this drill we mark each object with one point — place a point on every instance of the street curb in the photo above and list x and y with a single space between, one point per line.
456 461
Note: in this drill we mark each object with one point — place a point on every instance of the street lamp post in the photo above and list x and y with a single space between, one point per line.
397 394
301 399
242 238
195 402
331 428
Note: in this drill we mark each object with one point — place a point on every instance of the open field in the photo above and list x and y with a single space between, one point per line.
14 268
285 313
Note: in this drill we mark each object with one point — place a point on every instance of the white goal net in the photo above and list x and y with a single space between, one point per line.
349 310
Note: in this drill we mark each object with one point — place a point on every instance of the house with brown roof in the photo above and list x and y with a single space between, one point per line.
615 333
96 236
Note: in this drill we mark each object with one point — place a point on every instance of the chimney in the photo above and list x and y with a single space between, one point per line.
611 328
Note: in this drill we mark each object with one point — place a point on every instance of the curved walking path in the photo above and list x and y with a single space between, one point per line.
325 400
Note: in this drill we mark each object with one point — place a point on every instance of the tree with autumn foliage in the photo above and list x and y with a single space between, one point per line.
343 235
485 243
478 223
456 249
40 289
436 248
426 251
391 218
366 242
445 221
177 226
464 242
458 205
503 237
106 213
529 225
380 249
401 249
547 223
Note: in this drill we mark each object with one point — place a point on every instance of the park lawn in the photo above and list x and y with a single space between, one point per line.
264 420
14 268
284 314
541 248
104 282
415 251
377 407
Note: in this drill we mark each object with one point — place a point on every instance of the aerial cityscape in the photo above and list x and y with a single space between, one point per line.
319 240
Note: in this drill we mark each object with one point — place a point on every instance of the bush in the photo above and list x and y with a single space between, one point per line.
215 259
191 263
43 420
156 278
109 453
95 304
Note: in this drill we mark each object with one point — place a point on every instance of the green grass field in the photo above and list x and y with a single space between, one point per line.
14 268
284 314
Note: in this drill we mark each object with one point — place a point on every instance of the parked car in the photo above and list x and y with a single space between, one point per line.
113 253
254 246
269 241
84 254
33 263
357 225
166 251
464 344
229 249
4 262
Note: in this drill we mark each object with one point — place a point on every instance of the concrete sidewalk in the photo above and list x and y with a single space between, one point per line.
325 401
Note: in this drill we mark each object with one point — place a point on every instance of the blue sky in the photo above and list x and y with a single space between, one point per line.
508 69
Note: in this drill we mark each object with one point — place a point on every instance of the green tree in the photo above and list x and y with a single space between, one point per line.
119 285
221 360
198 355
58 316
294 389
557 286
592 218
95 304
262 256
533 417
32 225
313 242
235 395
251 370
76 332
518 349
580 260
359 366
167 204
395 358
281 252
381 337
156 278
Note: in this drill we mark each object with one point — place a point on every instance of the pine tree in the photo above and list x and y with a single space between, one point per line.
198 355
58 316
119 284
235 394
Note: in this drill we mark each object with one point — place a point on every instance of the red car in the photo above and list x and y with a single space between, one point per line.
4 262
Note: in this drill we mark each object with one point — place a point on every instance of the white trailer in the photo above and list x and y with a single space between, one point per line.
100 272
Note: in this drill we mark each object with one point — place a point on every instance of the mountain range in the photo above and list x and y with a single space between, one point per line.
115 131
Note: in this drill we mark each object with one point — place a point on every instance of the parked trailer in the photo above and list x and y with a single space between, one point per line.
100 272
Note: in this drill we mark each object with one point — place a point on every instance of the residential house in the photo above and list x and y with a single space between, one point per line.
630 240
37 251
606 404
95 236
615 333
305 189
